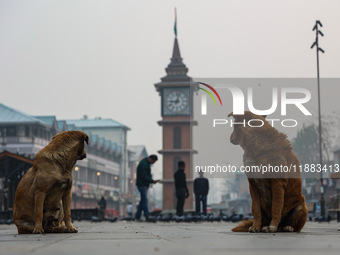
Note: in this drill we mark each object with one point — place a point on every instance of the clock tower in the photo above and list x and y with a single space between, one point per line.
176 123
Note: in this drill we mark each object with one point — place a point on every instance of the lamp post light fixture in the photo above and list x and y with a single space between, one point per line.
115 183
318 49
98 174
76 187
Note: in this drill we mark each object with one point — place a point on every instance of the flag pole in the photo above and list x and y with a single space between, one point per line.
175 26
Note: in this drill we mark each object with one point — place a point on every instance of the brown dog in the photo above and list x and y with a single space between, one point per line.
44 193
277 200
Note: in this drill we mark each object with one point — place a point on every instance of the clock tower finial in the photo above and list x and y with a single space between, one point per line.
176 70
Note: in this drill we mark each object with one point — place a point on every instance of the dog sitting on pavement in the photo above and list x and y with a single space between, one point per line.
43 197
277 200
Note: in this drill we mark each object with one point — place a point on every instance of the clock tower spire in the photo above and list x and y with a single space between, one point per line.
176 123
176 70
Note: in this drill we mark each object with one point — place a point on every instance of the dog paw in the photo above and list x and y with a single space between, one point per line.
38 231
74 230
269 229
254 229
288 229
71 229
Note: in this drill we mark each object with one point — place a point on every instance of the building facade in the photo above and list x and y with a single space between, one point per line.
109 130
100 174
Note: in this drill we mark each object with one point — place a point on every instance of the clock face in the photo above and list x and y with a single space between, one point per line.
176 101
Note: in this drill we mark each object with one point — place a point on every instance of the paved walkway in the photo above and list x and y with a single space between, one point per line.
171 238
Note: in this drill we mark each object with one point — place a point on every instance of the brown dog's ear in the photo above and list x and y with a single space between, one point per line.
264 116
230 114
86 139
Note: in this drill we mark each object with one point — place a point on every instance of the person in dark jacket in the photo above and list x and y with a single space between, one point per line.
102 203
201 189
144 179
102 207
182 191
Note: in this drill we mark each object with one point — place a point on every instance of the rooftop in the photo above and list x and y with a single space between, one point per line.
137 151
49 120
89 123
10 115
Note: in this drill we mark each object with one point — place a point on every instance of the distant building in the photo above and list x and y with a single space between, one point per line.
104 170
12 168
109 130
21 133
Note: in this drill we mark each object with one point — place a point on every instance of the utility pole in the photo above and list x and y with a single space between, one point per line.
98 192
76 187
316 43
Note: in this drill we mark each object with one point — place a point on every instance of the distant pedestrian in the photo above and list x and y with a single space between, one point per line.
182 191
129 209
201 189
102 208
102 203
144 179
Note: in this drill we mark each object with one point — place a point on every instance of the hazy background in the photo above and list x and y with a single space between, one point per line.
101 58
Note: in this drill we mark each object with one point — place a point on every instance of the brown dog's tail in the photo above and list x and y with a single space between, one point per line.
243 226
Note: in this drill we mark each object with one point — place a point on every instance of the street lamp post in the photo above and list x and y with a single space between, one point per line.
98 174
316 43
76 188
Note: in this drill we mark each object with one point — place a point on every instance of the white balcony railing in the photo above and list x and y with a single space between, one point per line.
23 140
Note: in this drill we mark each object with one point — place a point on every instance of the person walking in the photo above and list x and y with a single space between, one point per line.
144 179
201 189
182 191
